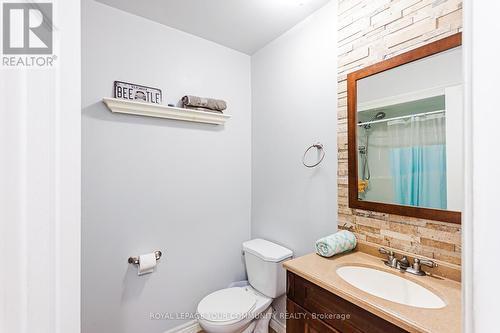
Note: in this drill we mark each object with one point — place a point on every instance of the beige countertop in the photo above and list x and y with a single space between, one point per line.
322 272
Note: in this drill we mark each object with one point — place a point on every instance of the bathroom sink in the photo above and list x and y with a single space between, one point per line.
390 287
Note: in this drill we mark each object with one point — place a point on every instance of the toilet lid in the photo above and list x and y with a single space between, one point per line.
231 304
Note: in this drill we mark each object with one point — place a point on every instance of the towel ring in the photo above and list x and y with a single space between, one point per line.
319 147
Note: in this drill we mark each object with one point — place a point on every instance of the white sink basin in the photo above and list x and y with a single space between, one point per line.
390 287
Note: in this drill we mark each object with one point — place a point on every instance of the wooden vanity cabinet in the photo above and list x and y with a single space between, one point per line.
303 321
312 309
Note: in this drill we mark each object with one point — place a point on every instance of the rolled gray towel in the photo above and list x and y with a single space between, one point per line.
206 103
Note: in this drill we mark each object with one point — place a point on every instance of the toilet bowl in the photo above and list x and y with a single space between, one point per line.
238 309
232 310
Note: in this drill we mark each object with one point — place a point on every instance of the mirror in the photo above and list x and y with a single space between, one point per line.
405 133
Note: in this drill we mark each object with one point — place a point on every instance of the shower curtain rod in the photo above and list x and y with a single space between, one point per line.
402 117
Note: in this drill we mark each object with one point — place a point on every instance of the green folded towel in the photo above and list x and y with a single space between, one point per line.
342 241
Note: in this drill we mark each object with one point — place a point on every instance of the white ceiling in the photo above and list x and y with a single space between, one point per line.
243 25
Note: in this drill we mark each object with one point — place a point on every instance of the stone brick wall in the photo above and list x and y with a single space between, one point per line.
370 31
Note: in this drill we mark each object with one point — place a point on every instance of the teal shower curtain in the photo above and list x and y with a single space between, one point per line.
418 161
419 176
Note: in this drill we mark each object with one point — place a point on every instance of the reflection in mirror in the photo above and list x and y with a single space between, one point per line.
409 134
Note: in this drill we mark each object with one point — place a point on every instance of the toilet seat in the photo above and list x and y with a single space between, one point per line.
227 306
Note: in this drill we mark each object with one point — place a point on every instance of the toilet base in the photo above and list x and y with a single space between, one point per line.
250 327
262 323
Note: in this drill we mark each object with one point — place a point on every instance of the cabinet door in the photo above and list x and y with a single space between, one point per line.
327 306
301 321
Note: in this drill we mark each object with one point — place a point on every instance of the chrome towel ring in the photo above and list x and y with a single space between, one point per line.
320 148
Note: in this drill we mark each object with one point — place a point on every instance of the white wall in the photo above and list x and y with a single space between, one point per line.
293 106
293 89
148 184
481 224
40 187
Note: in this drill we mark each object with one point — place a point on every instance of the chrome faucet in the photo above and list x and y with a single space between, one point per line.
393 262
416 268
403 264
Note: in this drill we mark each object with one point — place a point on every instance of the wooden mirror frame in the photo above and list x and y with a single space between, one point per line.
405 58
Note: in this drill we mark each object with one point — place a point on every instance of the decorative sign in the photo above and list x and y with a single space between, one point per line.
135 92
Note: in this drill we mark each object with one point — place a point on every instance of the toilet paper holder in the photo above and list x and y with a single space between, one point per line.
135 260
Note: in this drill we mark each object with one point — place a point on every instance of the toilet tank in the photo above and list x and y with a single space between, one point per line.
263 261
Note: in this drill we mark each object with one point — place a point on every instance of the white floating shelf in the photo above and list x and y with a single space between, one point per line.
162 111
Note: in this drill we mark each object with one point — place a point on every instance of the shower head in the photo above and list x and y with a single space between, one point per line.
379 116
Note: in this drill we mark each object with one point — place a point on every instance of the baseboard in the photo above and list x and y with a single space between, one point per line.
277 326
189 327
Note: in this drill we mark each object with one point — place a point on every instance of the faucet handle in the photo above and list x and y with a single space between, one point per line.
384 251
391 259
426 262
416 268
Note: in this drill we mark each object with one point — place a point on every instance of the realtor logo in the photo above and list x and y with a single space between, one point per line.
27 28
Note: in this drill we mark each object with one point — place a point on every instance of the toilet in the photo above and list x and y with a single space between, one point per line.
238 309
